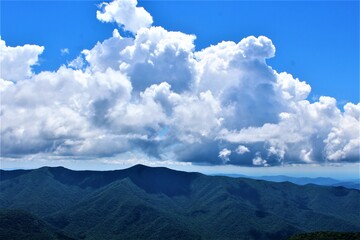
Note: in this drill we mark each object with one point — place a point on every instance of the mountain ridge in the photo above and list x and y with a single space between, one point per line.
321 181
148 203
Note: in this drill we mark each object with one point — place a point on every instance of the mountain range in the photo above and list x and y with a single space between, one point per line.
159 203
323 181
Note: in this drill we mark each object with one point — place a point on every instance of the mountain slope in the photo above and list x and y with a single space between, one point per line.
152 203
21 225
118 211
326 236
39 192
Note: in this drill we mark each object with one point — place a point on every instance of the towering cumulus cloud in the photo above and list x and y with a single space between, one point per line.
152 95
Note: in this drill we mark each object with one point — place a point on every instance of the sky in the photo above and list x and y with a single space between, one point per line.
271 86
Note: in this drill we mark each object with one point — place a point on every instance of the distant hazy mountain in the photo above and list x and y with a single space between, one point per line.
158 203
323 181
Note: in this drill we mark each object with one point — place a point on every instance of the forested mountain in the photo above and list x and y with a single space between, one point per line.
159 203
21 225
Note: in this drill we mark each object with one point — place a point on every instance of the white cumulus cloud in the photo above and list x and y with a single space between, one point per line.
126 14
16 61
241 149
224 155
154 95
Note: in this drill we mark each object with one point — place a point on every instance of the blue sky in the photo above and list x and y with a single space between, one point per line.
313 38
144 90
316 41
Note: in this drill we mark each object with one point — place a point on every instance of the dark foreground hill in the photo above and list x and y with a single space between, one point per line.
326 236
21 225
158 203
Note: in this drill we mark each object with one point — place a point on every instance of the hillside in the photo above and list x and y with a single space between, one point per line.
326 236
21 225
158 203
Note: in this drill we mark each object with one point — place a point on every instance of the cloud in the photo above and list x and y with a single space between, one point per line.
108 53
153 96
126 14
16 61
343 141
258 161
313 132
237 73
242 149
64 51
4 84
66 109
77 63
154 56
224 155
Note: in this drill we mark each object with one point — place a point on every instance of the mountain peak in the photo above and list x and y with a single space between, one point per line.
56 167
139 166
159 180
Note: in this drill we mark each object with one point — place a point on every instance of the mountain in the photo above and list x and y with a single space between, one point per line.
322 181
21 225
355 184
325 181
159 203
326 236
